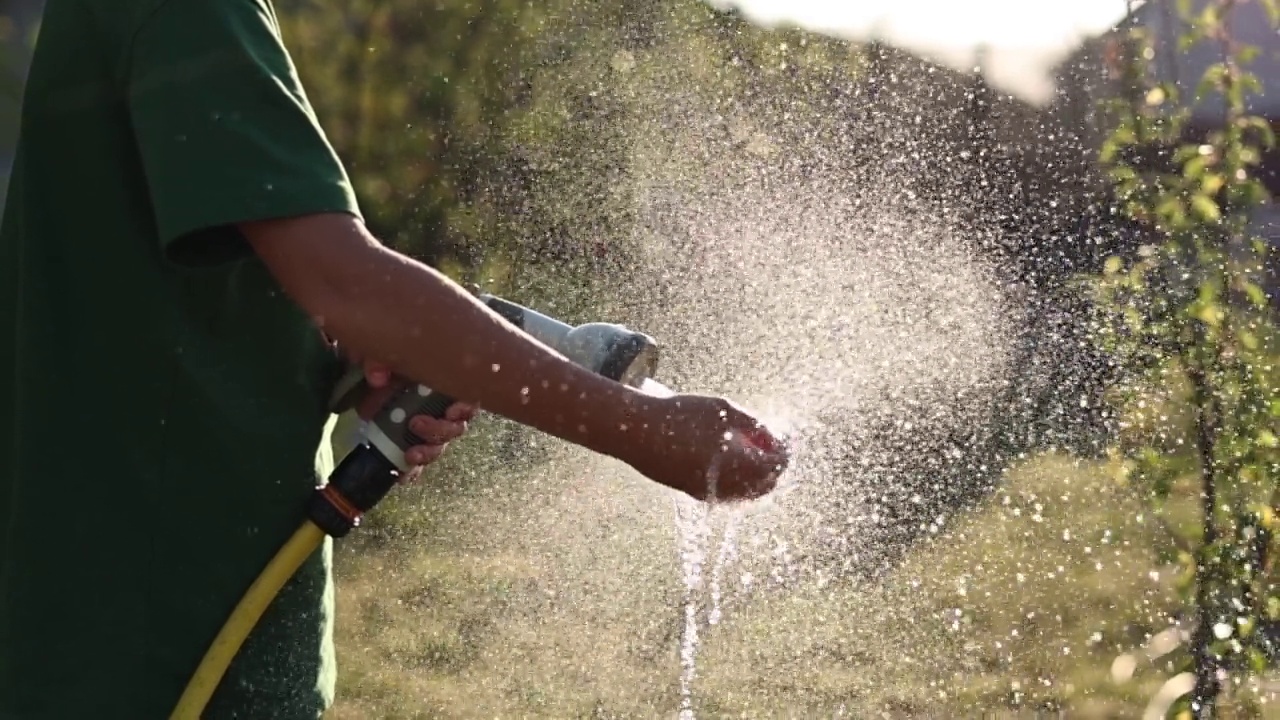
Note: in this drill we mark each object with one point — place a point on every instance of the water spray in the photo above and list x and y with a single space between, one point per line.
373 467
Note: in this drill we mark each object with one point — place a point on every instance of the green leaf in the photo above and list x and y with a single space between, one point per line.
1257 296
1172 212
1208 312
1266 517
1257 661
1253 193
1267 136
1212 183
1249 84
1273 11
1113 265
1211 81
1123 174
1210 18
1206 207
1124 135
1195 166
1186 152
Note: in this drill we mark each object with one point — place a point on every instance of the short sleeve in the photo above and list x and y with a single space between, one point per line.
223 128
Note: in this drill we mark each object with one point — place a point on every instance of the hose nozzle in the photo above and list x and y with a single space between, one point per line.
607 349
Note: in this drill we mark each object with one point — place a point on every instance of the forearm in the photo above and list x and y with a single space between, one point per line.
381 304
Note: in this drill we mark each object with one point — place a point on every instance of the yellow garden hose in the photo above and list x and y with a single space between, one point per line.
370 470
286 562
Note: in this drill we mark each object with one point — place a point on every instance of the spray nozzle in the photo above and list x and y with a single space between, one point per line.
608 349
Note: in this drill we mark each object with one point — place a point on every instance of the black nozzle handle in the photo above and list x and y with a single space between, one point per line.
392 421
368 472
360 481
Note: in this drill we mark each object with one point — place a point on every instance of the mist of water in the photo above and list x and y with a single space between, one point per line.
868 327
865 332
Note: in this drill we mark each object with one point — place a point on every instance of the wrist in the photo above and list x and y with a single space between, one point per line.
637 431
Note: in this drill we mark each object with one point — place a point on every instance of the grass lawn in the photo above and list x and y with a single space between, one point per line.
566 602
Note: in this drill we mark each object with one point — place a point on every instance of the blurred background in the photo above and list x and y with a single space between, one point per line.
872 220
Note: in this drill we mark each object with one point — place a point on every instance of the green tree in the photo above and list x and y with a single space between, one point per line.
484 133
483 137
1190 317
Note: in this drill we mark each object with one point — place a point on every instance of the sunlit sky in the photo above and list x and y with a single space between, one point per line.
1025 37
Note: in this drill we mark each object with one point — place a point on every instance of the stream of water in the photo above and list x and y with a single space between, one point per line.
693 529
693 538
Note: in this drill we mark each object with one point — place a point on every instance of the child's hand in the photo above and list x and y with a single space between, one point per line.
708 447
435 433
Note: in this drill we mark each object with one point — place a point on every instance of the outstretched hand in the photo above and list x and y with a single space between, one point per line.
435 433
709 448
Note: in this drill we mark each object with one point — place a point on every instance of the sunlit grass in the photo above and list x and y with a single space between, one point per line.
1020 606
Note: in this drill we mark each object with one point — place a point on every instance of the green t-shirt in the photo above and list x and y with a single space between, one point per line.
161 400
